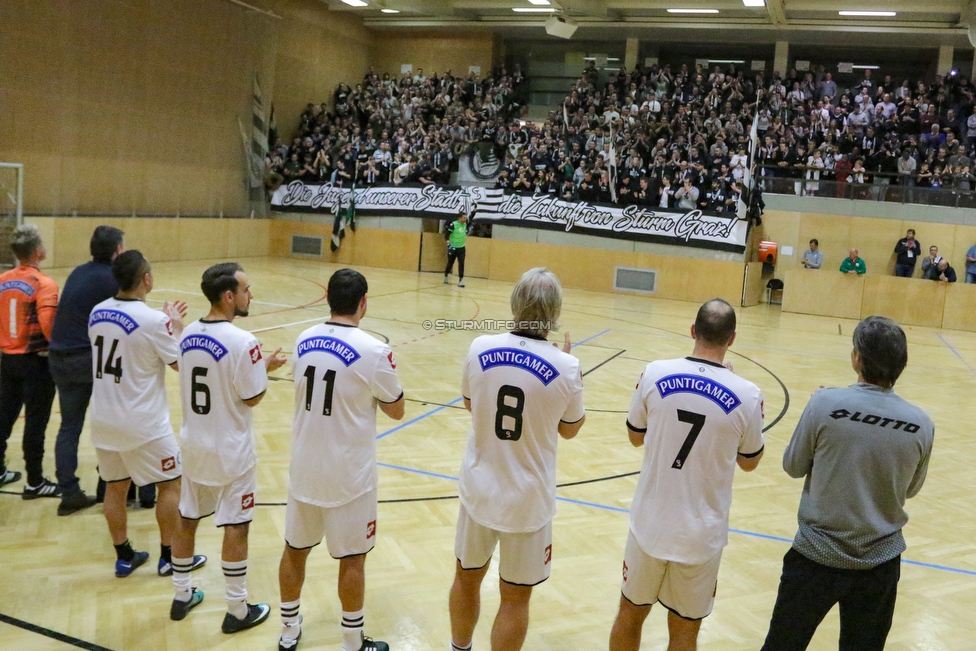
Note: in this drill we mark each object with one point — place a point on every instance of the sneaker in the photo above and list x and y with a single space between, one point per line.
256 614
460 283
369 644
180 609
125 568
75 502
9 477
290 645
46 488
447 281
165 568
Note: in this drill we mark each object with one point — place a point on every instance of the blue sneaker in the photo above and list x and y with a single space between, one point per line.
165 568
125 568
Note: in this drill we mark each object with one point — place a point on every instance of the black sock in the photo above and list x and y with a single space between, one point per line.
124 552
166 553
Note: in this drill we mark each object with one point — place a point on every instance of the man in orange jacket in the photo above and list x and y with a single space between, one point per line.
28 301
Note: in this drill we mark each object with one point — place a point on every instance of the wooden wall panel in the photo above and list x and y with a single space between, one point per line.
433 51
965 238
434 253
589 268
694 279
960 307
908 301
875 241
203 238
158 239
478 260
248 238
72 237
510 259
754 290
823 292
783 227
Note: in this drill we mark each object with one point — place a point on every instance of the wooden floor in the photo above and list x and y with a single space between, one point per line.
57 573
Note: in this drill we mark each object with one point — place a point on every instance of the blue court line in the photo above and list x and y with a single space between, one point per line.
956 353
599 334
743 532
420 417
457 400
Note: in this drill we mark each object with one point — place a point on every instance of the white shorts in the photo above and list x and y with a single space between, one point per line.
686 590
349 530
232 503
525 557
154 462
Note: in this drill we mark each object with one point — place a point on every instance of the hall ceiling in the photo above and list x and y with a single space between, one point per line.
916 23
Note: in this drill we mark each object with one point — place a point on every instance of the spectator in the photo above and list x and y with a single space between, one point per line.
813 258
853 265
942 271
859 471
933 259
971 265
908 250
70 357
687 196
25 381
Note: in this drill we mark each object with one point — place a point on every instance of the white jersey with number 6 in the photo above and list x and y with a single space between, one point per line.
697 416
340 374
131 346
220 368
520 388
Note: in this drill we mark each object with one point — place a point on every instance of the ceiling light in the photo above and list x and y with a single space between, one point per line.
534 10
865 67
390 11
868 13
356 3
692 11
539 2
726 61
754 3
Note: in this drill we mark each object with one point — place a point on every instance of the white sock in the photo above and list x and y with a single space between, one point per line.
290 620
457 647
235 587
352 631
181 578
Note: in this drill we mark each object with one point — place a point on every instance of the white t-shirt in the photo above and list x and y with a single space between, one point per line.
340 374
220 368
131 346
520 388
698 416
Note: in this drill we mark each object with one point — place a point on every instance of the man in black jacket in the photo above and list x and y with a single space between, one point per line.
908 250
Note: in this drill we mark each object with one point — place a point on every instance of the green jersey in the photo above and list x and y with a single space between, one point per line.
457 234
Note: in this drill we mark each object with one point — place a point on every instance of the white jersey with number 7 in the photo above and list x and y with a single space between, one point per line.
520 388
698 416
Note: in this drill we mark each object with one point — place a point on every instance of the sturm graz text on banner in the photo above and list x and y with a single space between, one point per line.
640 223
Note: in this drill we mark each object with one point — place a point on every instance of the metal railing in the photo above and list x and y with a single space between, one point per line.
890 188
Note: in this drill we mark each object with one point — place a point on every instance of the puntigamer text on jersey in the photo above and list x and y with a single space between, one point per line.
682 383
534 364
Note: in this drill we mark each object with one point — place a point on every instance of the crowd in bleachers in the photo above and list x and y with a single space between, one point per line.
656 136
396 130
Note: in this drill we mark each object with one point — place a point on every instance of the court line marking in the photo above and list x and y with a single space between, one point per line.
955 352
617 509
54 635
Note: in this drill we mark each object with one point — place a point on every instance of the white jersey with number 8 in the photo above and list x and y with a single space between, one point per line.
340 374
131 345
220 367
520 388
698 416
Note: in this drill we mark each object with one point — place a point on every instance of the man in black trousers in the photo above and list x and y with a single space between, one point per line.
70 357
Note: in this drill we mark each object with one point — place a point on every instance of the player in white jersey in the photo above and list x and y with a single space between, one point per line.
222 377
523 394
341 375
132 344
696 420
